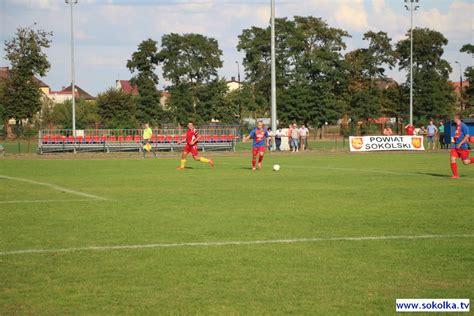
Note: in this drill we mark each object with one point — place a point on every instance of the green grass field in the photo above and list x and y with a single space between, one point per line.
196 236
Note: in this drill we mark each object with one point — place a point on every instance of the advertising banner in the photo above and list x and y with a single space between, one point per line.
384 143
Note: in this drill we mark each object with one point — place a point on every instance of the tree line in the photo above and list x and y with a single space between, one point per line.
317 81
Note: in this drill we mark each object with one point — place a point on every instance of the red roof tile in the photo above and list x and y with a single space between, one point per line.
127 87
5 71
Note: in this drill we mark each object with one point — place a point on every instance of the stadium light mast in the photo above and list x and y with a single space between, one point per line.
73 77
413 7
240 96
274 105
460 83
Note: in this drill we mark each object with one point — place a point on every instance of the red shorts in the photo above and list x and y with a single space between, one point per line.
256 150
193 149
460 153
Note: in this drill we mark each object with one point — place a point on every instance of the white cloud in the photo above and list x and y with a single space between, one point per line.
385 18
37 4
453 23
352 15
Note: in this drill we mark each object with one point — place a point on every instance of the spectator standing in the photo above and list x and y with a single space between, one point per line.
422 131
304 134
278 135
290 129
270 138
295 135
441 135
387 131
431 132
410 129
417 131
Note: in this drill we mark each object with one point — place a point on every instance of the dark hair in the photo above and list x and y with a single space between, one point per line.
190 121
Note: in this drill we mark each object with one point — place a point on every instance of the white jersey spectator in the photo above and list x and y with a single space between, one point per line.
304 133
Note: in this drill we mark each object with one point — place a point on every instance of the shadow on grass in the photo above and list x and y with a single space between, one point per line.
437 175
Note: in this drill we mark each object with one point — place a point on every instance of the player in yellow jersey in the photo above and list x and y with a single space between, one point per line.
147 134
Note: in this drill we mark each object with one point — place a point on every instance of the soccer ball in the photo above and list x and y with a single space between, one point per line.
276 167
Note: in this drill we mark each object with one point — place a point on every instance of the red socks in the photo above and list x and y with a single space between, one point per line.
454 169
254 162
472 160
260 159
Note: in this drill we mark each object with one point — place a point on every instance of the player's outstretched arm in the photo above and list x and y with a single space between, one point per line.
246 139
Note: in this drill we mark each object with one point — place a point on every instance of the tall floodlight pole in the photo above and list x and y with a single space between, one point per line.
240 97
73 77
274 105
411 8
460 83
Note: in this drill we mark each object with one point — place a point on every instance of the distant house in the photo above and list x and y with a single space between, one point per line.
65 94
126 87
233 84
43 87
456 85
5 72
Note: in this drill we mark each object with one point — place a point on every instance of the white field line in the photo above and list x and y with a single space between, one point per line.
341 169
46 201
229 243
55 187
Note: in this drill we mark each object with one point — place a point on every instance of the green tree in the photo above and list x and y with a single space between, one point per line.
86 114
468 93
190 58
371 95
213 102
180 103
3 115
117 109
310 69
144 62
432 92
46 118
22 97
190 62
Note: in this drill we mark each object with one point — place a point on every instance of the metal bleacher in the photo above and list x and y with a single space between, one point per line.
51 141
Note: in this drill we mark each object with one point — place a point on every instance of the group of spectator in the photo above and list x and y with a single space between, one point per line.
297 137
432 133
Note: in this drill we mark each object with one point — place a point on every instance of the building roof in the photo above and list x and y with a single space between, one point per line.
79 92
127 87
5 72
457 84
232 79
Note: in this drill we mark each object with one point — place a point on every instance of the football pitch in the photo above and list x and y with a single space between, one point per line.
328 234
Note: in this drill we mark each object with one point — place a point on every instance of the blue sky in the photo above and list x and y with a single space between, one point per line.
108 31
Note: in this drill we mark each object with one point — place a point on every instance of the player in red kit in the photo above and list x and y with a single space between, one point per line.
260 143
192 138
460 147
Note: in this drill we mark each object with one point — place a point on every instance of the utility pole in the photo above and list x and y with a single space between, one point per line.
411 8
273 75
73 77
